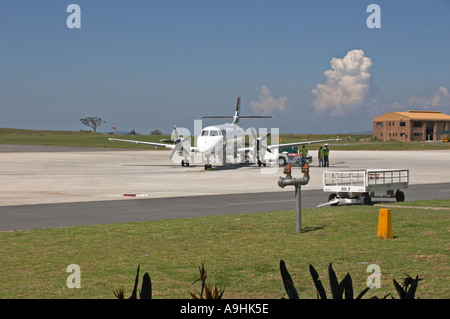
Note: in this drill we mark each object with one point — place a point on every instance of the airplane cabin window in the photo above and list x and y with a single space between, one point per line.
214 133
205 133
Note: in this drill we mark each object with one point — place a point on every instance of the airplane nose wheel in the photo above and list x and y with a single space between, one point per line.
208 166
183 163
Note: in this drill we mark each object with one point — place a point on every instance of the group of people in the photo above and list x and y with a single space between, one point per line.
323 155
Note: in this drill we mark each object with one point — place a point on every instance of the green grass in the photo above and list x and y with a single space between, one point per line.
91 139
445 203
242 254
71 138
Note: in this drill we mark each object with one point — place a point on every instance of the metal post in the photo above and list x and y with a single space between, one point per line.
298 208
297 182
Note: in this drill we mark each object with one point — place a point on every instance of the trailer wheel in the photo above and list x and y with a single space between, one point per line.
400 196
281 161
331 197
366 199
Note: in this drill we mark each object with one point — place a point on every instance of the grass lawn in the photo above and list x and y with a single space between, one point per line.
71 138
241 253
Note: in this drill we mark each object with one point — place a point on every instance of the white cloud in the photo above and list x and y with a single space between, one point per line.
347 86
440 100
267 104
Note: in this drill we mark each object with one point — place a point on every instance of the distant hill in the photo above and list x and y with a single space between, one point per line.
360 133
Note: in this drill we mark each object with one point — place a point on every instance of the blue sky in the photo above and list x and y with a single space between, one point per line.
147 65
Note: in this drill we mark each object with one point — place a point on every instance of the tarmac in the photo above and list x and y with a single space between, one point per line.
43 175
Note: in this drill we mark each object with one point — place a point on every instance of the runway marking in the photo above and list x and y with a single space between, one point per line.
262 202
136 195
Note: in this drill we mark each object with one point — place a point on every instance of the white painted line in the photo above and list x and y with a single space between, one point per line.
262 202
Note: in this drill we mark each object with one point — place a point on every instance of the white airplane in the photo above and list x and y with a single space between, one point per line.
224 140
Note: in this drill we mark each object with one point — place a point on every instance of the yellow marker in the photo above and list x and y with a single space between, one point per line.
385 224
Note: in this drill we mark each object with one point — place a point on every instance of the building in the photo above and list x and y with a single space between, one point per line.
411 126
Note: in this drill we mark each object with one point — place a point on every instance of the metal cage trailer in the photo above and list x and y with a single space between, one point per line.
359 186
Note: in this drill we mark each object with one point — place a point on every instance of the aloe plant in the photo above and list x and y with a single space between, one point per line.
338 289
287 281
408 288
144 293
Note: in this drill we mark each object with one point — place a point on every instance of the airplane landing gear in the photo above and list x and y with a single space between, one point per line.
260 163
184 163
208 166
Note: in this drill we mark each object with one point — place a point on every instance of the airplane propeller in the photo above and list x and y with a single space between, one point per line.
260 145
177 137
182 145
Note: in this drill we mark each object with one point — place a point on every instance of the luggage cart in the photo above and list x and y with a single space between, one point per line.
360 186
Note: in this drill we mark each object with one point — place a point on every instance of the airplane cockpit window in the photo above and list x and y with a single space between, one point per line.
211 133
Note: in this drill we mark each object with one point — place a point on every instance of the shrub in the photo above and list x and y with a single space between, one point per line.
338 290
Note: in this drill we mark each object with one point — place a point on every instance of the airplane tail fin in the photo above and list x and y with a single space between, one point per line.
236 116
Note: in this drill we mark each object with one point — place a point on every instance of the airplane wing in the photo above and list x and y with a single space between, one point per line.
260 146
170 146
251 148
302 143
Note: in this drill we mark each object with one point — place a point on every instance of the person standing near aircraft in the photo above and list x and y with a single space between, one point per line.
326 154
304 152
320 155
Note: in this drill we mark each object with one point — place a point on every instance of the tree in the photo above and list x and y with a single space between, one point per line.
92 122
156 132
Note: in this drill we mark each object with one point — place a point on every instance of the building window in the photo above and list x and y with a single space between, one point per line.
417 134
417 124
402 123
379 124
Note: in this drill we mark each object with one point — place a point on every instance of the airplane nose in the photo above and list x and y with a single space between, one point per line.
206 146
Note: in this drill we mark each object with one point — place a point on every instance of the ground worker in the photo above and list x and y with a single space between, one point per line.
304 153
321 155
326 153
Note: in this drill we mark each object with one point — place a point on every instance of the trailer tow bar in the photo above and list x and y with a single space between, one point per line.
297 182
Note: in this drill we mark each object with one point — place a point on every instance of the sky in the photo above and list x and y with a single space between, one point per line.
315 66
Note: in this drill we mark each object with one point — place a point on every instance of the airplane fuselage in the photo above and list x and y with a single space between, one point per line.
223 138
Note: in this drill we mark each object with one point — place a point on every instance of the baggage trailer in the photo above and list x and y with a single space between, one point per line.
360 186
